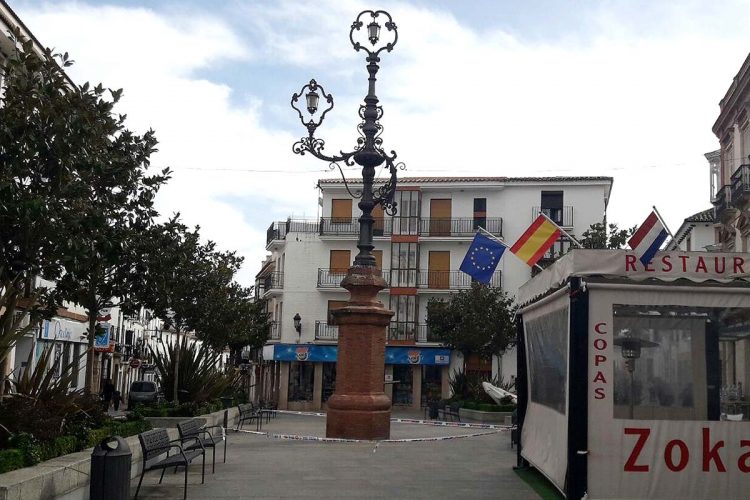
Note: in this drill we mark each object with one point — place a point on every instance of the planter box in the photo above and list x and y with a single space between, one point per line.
485 417
68 476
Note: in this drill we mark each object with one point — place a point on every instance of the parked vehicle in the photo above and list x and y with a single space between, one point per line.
143 392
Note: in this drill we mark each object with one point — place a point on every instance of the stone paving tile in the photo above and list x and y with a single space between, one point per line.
261 467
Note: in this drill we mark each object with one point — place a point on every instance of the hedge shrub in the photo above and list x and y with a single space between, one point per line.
11 459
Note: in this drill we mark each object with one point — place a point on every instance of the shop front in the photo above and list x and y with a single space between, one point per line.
307 374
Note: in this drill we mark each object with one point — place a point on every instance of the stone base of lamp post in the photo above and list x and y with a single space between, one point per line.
359 408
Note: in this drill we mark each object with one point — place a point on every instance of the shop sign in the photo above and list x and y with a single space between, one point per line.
393 355
102 342
135 363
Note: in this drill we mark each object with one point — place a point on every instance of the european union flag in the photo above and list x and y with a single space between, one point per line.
482 258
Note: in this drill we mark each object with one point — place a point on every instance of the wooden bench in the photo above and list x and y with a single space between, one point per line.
194 434
156 443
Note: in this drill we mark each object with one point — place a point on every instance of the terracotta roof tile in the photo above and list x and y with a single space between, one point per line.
421 180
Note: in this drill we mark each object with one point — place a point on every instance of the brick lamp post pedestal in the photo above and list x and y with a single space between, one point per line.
359 407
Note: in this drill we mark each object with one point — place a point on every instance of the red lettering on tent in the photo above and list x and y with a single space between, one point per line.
648 267
666 263
630 263
701 265
713 453
599 394
738 263
743 463
720 270
599 328
684 455
684 259
600 377
600 344
630 464
599 359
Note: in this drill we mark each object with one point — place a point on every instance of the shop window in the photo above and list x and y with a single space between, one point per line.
402 384
301 377
431 383
329 380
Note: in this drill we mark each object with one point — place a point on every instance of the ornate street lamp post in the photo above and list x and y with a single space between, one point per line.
359 408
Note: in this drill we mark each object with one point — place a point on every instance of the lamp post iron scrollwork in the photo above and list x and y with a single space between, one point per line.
359 408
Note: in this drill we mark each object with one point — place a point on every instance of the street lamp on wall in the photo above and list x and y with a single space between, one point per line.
298 324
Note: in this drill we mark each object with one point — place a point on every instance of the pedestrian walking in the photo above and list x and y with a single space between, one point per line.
116 399
107 392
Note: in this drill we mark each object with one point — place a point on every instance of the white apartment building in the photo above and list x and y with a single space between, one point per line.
419 251
696 234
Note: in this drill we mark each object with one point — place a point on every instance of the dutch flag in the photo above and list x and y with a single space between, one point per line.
648 239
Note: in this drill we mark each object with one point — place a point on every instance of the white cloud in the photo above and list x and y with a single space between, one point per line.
457 101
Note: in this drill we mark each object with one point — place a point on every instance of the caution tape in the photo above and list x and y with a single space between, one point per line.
297 437
438 423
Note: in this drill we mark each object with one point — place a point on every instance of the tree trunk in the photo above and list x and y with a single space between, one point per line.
90 354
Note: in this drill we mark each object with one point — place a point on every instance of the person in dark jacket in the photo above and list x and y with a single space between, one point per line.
107 392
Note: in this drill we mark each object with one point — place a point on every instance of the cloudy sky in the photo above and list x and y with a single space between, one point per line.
628 89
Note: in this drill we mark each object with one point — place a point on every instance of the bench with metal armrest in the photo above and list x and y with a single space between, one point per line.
156 443
194 431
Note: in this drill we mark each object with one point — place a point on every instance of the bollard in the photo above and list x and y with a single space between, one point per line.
110 470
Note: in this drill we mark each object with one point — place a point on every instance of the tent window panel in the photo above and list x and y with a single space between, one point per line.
547 348
684 363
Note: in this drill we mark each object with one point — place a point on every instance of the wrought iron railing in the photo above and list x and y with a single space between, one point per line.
723 201
464 226
274 332
273 280
451 280
562 216
331 278
402 330
740 184
324 331
425 335
278 230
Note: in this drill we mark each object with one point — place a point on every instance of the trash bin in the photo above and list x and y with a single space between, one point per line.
110 470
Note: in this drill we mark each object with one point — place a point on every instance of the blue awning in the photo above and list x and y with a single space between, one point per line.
394 355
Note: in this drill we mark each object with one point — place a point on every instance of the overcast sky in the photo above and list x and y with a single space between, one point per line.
628 89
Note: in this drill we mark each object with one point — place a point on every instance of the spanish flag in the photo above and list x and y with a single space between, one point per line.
537 239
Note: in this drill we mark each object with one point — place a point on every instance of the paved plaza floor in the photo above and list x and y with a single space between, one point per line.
259 466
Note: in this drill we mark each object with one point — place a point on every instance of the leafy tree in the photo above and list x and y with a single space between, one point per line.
474 321
118 209
236 322
181 281
599 236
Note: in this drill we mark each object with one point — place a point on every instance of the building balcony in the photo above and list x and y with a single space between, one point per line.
326 332
332 278
740 191
723 208
450 280
274 332
459 227
277 231
338 226
562 216
410 331
273 281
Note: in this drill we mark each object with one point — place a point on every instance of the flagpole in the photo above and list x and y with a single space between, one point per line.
495 238
563 231
658 216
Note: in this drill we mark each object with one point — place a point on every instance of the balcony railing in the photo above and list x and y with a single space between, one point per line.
466 226
562 216
331 278
275 331
278 230
324 331
741 185
338 226
451 280
272 281
723 202
402 330
425 335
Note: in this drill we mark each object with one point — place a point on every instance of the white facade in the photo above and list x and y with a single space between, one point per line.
696 234
296 278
